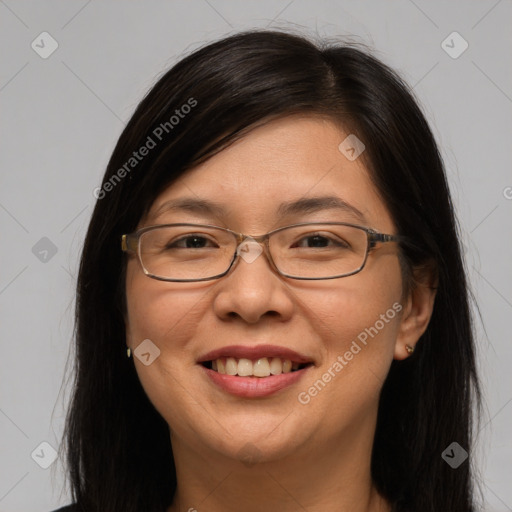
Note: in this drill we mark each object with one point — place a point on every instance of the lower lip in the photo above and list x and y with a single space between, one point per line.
254 387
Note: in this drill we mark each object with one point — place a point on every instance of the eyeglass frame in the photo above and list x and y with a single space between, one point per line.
130 244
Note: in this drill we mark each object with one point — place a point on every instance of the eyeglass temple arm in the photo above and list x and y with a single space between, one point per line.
128 243
375 237
381 237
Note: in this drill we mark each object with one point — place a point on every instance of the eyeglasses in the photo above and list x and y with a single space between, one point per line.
201 252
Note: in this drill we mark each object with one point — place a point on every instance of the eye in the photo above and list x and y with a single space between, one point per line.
191 241
316 240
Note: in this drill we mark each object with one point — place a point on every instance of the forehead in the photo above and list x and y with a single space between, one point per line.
281 163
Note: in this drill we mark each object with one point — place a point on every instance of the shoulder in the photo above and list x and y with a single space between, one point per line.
68 508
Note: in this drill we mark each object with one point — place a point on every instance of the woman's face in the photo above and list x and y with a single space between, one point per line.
346 329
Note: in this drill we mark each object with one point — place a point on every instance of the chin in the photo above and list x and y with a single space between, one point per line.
255 445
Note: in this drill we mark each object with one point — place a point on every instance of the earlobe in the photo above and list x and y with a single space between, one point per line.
416 314
127 336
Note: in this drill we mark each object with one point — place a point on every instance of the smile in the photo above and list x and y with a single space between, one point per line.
254 372
262 367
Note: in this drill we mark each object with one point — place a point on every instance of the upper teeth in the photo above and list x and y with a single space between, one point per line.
263 367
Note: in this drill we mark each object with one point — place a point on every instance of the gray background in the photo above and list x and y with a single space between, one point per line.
61 117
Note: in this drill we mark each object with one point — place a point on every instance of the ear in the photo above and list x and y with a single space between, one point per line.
418 307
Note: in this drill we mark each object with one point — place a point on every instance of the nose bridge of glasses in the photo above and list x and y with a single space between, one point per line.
250 247
259 239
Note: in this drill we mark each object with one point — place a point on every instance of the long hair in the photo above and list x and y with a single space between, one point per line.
117 445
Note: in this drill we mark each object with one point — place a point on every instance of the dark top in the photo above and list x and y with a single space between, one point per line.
69 508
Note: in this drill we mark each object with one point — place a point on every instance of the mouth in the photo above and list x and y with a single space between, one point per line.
254 372
260 368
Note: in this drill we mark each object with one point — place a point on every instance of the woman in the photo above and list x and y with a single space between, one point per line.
272 309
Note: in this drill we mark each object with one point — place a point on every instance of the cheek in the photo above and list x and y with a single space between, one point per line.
165 313
168 316
358 320
358 326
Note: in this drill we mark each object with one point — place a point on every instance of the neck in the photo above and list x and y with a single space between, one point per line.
333 477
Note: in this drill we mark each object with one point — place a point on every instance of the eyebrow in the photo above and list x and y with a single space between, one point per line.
305 205
315 204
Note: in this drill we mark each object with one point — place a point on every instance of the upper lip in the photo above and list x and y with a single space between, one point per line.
255 352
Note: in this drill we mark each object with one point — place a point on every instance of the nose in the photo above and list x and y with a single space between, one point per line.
253 289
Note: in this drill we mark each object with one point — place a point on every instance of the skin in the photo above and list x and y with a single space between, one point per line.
275 453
